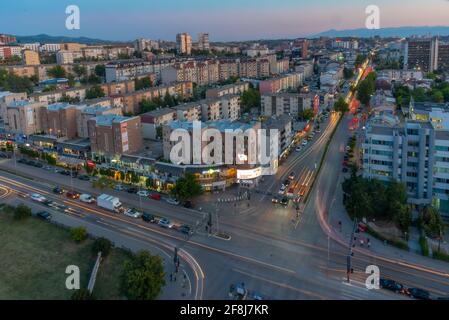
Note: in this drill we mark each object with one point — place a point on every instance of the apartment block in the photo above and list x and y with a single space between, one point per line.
234 88
59 119
85 113
24 117
184 43
281 83
30 57
422 54
203 41
277 104
6 98
115 135
155 119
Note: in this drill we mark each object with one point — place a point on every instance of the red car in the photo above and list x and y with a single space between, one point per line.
155 196
72 195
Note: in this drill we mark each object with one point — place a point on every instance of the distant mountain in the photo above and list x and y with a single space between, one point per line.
387 32
45 38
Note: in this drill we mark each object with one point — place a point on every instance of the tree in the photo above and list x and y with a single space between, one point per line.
365 90
56 72
14 83
438 96
95 92
306 114
78 234
100 70
187 187
431 222
143 277
250 99
79 70
348 73
103 245
82 294
22 212
359 60
168 99
341 105
143 83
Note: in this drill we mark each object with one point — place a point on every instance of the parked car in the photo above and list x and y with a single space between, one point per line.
304 143
165 223
48 168
74 174
286 182
44 215
143 193
65 172
418 293
173 201
345 169
282 189
72 195
291 176
155 196
58 190
391 285
22 160
133 213
275 200
84 177
119 187
299 148
148 217
38 165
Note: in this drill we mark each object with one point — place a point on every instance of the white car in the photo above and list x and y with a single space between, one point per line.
87 198
133 213
37 197
165 223
173 201
143 193
282 189
304 143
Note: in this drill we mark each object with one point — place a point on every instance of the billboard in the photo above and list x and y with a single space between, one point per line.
249 174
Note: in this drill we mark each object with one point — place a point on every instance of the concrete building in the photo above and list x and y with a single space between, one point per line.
234 88
50 47
24 117
184 43
146 44
6 98
59 119
203 41
112 135
443 56
153 120
68 57
85 113
422 54
281 83
278 104
30 57
121 71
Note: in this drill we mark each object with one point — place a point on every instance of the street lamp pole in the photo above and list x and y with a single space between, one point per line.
350 253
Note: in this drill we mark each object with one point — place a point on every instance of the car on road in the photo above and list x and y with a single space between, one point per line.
148 217
345 163
418 293
87 198
304 143
38 197
72 195
344 170
282 189
119 187
48 168
84 177
297 199
58 190
318 130
188 204
165 223
284 201
290 192
185 229
132 190
275 200
291 176
143 193
286 182
172 201
44 215
22 160
133 213
65 172
298 148
38 164
391 285
155 196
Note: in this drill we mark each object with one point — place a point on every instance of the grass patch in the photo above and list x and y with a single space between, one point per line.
401 244
35 254
424 246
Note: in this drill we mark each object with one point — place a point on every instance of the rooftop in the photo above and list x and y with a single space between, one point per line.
59 106
108 120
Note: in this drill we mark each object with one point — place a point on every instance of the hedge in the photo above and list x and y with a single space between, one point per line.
424 246
394 242
441 256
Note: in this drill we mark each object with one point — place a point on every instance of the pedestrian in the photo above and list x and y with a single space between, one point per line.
175 278
171 277
368 242
361 242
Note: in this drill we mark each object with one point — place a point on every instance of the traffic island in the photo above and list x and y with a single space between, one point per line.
222 236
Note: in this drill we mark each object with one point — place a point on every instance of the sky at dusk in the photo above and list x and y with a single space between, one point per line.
225 20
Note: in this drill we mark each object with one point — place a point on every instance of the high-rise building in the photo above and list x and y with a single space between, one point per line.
422 54
443 56
203 41
184 43
5 39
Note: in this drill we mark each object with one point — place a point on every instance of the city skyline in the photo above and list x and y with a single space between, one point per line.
222 21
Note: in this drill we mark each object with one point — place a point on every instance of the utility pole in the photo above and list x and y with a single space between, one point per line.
209 223
350 253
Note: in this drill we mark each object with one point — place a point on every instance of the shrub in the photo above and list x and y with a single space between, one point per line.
394 242
424 246
78 234
103 245
441 256
21 212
